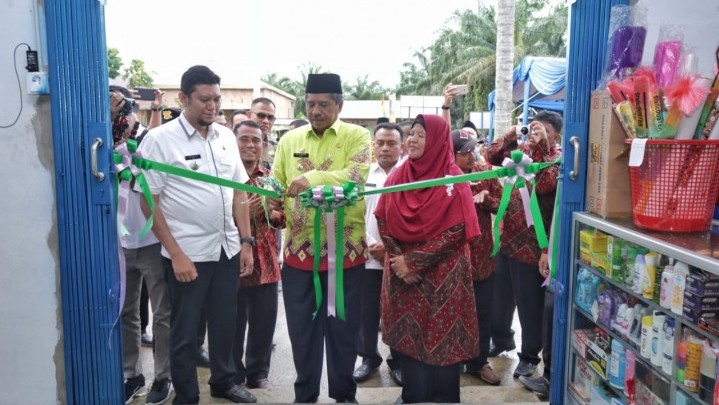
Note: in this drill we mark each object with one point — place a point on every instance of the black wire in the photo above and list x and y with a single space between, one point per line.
19 88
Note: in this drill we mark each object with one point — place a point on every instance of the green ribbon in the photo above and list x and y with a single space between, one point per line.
327 200
123 157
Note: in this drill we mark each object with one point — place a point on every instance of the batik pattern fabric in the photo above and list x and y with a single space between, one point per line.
267 267
480 248
340 155
433 320
517 240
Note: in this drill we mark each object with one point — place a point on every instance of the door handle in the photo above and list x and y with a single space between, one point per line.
577 149
99 176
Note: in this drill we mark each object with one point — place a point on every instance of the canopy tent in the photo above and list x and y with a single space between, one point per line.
538 82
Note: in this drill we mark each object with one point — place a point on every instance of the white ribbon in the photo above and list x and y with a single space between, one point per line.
523 191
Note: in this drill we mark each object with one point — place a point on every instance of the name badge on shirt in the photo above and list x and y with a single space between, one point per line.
370 185
301 155
192 157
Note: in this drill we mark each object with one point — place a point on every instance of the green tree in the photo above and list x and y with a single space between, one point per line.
114 63
363 89
294 87
464 52
136 75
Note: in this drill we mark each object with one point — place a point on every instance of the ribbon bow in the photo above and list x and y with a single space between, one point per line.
520 170
327 199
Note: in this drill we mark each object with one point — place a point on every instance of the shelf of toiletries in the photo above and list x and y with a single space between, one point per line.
644 315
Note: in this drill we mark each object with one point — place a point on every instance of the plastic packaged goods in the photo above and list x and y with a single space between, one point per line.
639 270
667 285
617 365
648 276
681 271
692 369
707 369
668 345
657 344
645 344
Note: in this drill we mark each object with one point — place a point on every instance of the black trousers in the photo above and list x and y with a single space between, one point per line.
309 336
214 287
369 324
425 383
547 328
483 296
521 283
256 307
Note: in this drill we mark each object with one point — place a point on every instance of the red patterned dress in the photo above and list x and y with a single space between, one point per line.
483 263
434 320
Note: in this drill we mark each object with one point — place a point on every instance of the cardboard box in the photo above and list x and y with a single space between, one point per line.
608 191
580 341
697 301
598 353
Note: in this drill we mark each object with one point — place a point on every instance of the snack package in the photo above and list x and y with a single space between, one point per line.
627 33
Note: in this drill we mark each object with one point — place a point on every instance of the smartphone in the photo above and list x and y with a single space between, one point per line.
462 89
145 94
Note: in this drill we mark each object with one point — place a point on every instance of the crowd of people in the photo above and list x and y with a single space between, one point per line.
416 262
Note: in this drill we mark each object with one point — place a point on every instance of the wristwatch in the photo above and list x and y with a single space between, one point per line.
248 239
445 107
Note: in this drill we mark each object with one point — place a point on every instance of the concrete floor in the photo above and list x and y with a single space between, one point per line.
380 389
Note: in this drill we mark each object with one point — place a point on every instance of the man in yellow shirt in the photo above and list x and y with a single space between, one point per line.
327 152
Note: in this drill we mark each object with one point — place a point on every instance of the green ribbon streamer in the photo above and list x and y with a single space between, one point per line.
325 201
127 175
555 232
503 204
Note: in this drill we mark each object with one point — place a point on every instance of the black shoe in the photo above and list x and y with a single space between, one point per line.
396 375
496 350
235 394
524 369
203 358
350 400
146 340
133 388
538 385
159 392
363 372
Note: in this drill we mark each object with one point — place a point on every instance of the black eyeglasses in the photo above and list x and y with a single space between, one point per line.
262 116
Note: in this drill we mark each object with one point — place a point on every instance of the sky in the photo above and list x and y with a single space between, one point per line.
242 40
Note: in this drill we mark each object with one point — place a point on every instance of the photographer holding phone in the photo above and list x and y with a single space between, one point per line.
450 92
517 276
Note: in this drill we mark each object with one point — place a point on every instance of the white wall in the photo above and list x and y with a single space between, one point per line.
701 19
31 355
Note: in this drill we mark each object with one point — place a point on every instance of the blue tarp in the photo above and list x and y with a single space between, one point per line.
546 77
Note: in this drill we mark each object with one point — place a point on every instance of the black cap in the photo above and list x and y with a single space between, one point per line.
469 124
463 141
169 114
382 120
318 83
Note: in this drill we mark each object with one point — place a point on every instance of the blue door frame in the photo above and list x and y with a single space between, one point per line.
85 204
588 29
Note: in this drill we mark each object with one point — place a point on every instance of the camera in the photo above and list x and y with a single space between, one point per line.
522 130
129 106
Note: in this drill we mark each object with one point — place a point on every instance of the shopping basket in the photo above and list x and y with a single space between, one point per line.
675 188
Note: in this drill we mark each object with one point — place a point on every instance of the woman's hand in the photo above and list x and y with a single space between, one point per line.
399 267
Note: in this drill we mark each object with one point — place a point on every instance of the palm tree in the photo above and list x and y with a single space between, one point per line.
465 51
363 89
505 65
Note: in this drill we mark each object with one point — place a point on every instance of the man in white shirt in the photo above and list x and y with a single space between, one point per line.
197 224
387 146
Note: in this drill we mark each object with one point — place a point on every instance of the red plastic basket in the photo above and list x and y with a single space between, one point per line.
675 187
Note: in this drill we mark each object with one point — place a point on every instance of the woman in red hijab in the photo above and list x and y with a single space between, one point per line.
428 311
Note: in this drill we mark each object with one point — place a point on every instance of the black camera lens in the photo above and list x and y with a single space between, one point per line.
129 106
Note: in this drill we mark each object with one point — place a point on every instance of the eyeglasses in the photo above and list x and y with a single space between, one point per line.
246 140
262 116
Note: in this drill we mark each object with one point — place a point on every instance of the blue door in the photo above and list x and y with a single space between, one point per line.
85 204
588 29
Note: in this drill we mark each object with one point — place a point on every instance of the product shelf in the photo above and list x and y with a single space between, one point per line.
692 395
623 287
617 391
697 329
628 345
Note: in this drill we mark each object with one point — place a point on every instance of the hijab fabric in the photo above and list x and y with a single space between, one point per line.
420 215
